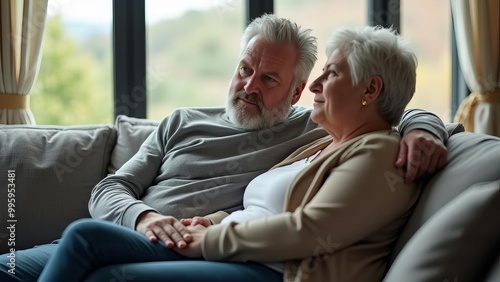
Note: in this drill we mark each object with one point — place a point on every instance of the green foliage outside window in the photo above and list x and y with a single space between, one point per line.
73 86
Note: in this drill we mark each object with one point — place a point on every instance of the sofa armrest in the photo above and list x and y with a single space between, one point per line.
473 159
458 243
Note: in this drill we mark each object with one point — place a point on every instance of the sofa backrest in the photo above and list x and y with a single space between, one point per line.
55 169
52 171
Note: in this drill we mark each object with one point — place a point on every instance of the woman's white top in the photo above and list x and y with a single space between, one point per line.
265 196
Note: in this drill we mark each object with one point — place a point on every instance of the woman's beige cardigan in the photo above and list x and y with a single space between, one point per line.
342 215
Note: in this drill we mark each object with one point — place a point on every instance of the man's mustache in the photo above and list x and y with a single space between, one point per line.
249 97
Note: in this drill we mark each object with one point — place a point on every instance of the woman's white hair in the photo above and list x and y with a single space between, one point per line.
280 30
372 51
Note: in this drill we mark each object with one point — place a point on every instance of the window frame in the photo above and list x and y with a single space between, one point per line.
129 58
129 50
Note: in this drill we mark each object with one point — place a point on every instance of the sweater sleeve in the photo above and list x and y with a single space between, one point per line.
116 198
357 198
420 119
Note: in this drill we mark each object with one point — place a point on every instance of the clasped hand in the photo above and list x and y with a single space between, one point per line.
184 236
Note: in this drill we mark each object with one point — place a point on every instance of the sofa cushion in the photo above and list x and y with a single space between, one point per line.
459 243
131 134
54 168
472 158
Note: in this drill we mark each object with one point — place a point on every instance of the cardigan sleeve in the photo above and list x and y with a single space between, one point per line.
217 217
357 196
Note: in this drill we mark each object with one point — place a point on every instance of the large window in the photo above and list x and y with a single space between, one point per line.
427 24
74 84
322 16
192 51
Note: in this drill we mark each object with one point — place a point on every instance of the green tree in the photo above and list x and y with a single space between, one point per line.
71 87
195 56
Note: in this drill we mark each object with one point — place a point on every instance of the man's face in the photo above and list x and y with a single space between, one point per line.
261 92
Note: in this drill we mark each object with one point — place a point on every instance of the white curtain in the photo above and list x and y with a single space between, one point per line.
477 31
21 32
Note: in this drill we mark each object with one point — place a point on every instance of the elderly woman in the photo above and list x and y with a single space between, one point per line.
329 212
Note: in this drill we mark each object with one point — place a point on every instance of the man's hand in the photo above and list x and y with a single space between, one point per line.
165 228
422 153
193 250
196 220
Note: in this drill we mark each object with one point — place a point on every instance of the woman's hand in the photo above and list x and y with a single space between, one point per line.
193 250
197 220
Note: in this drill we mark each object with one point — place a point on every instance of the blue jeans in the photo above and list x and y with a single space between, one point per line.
94 250
29 263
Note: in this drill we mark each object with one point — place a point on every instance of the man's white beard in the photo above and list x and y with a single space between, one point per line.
264 119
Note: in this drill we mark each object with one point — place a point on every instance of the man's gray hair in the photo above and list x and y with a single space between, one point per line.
372 51
280 30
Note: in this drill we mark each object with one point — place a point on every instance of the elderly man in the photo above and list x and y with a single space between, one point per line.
199 160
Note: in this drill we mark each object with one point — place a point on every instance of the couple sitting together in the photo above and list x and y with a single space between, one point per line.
263 190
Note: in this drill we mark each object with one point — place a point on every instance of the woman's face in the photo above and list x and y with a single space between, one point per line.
336 100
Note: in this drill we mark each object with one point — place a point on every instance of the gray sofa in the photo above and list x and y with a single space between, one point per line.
453 234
